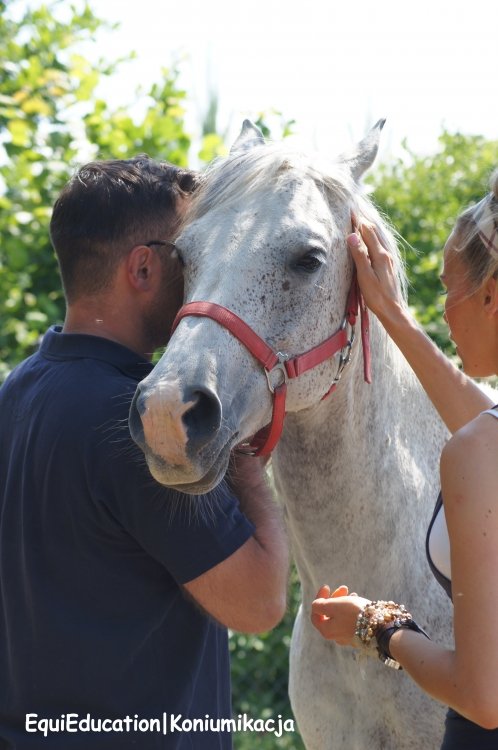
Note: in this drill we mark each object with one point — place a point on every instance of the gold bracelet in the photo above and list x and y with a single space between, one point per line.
378 614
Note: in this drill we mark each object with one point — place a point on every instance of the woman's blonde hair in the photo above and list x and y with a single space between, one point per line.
481 261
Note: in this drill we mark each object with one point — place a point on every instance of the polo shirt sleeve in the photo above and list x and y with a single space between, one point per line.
187 534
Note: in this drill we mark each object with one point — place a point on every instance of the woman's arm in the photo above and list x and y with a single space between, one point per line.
465 678
456 397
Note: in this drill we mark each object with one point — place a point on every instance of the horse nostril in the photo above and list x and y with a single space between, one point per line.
204 417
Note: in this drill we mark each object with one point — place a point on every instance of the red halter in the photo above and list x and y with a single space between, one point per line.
279 368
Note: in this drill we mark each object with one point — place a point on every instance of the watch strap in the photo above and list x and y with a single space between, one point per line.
383 638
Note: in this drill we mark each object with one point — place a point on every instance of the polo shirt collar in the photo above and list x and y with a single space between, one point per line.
58 345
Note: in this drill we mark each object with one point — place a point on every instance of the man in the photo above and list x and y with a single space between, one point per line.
100 567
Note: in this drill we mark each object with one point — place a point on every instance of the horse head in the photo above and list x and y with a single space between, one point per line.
265 241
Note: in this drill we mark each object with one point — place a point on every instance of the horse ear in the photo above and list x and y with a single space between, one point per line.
249 136
363 156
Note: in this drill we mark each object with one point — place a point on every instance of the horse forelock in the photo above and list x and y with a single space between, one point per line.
242 175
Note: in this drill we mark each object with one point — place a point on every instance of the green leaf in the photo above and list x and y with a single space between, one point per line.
19 132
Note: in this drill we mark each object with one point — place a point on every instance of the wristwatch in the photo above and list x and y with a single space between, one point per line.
383 637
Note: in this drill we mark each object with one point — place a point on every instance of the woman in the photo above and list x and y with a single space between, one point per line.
462 544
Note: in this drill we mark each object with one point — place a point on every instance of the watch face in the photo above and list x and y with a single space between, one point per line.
390 662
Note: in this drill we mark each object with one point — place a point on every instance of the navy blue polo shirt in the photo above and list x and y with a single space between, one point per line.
94 623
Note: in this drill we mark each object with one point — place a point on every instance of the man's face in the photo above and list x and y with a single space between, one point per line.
169 297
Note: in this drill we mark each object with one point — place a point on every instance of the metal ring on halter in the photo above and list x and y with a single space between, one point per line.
280 369
344 359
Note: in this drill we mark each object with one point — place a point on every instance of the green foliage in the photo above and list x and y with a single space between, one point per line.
260 671
274 125
39 84
422 196
51 121
160 132
213 143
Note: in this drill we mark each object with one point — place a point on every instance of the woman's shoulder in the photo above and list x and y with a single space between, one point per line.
470 457
481 428
474 444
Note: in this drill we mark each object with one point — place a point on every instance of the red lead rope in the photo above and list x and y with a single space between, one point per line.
278 364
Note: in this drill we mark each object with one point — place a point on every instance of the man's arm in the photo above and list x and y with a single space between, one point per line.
247 591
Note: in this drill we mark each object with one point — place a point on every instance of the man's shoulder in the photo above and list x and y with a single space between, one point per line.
21 381
20 368
87 396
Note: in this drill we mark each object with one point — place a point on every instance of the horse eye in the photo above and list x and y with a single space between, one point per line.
308 263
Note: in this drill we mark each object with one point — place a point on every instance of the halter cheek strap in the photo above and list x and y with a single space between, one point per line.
279 367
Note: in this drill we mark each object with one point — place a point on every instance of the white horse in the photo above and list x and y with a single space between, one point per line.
357 471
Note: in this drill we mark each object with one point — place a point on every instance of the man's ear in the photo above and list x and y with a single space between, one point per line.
140 265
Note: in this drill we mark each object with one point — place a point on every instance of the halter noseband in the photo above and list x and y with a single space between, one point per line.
279 367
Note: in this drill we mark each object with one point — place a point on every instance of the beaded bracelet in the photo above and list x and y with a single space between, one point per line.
380 620
379 614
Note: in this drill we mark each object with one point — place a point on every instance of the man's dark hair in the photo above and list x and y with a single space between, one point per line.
106 209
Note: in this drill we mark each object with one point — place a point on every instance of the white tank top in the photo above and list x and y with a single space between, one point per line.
439 542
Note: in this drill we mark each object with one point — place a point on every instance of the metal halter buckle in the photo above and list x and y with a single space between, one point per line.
345 358
278 370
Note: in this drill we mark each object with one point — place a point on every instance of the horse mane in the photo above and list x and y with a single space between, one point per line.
244 174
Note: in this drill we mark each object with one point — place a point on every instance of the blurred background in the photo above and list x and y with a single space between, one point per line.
108 79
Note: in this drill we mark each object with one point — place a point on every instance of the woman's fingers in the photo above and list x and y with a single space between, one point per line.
357 247
376 272
372 242
364 259
340 591
335 618
323 592
365 244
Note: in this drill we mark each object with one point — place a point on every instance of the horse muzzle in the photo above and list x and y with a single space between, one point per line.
179 431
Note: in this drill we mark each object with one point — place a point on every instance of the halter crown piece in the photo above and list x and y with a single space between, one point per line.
280 367
487 225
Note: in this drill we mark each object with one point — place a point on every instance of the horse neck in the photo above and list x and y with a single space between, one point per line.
353 457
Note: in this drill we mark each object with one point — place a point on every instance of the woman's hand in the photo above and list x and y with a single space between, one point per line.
376 273
334 614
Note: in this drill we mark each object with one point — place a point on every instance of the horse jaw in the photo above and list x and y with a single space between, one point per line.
363 156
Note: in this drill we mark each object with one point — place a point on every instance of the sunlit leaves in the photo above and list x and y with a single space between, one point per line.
212 147
51 121
19 132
